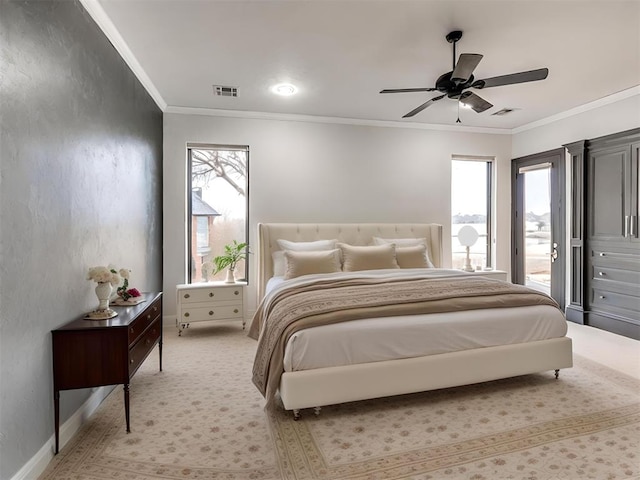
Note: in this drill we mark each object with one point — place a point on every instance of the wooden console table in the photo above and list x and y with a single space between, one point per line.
95 353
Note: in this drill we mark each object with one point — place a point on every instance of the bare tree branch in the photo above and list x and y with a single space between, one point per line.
210 164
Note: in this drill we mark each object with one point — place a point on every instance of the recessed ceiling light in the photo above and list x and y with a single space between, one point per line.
284 89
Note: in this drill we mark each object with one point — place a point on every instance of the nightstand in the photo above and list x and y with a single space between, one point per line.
206 302
495 274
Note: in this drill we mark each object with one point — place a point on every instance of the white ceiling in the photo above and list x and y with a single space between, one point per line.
340 54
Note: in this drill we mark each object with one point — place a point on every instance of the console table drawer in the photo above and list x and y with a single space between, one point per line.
141 350
141 323
212 294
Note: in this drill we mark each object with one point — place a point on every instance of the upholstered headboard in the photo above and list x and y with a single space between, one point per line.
351 233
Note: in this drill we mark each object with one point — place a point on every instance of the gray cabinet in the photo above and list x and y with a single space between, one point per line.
612 294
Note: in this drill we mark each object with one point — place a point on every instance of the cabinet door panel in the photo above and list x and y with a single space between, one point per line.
608 193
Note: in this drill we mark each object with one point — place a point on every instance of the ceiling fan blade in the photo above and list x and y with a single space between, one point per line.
477 103
422 107
522 77
467 63
407 90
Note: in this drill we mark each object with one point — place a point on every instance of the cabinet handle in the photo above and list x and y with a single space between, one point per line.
626 225
601 297
210 312
186 314
602 254
236 292
186 295
211 294
235 310
602 274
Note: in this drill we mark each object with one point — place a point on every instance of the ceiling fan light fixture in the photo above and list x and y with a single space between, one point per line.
465 105
284 89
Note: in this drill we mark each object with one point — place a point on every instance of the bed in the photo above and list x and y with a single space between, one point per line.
467 344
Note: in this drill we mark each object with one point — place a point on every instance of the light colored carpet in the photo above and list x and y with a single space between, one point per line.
203 419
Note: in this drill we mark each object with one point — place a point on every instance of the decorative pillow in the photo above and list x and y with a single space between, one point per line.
367 257
414 256
279 266
306 263
406 242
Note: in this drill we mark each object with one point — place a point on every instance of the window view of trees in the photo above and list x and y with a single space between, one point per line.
471 205
218 207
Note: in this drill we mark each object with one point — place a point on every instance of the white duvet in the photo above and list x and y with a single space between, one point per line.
378 339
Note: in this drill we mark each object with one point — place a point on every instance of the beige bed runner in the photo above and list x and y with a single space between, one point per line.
338 300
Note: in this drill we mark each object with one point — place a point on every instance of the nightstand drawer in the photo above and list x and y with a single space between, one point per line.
212 312
210 294
602 298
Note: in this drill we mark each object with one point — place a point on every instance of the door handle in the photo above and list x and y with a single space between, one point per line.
554 252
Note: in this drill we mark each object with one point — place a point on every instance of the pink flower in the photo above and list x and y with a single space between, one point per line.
134 292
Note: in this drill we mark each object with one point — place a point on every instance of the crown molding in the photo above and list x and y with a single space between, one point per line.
601 102
99 16
211 112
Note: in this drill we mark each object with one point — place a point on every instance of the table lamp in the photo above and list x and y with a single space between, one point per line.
467 236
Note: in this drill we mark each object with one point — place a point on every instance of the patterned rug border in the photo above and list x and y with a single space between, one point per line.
85 453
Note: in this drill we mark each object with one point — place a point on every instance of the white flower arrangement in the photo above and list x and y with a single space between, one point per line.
106 274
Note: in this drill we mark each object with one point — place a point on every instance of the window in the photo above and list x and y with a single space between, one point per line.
218 207
471 187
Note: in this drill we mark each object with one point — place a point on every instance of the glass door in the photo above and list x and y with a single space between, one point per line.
538 223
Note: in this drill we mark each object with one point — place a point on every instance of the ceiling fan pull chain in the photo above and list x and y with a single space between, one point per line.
458 121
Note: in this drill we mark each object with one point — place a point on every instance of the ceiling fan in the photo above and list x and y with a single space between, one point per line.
455 84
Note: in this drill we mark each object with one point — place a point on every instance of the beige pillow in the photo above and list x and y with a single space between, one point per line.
406 242
414 256
367 257
279 265
307 263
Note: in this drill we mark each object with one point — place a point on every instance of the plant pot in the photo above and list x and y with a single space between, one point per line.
230 276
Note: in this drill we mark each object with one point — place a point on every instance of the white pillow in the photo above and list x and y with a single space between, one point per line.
307 263
279 265
372 257
406 242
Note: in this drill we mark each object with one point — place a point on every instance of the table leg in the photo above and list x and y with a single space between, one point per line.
126 406
56 403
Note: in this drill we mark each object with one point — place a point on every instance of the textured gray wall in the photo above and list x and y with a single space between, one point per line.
80 185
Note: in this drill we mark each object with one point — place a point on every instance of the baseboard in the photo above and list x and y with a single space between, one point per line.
39 462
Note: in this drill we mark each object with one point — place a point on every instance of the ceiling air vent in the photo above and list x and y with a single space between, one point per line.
505 111
223 91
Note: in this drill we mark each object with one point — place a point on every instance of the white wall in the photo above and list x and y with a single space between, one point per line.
590 123
319 172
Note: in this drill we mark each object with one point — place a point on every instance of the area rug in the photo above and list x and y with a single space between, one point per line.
202 418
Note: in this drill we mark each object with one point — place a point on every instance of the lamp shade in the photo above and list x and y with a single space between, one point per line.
467 236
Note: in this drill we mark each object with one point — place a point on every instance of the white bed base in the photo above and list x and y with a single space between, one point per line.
331 385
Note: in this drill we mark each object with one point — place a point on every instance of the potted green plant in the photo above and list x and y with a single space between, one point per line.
232 255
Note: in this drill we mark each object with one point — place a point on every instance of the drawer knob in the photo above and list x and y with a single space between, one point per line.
601 297
186 295
155 309
235 310
186 314
210 312
131 361
602 254
149 317
236 292
602 274
211 294
132 330
148 341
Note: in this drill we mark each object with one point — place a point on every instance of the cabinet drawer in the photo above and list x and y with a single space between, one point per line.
212 312
140 350
601 272
145 319
209 294
603 298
